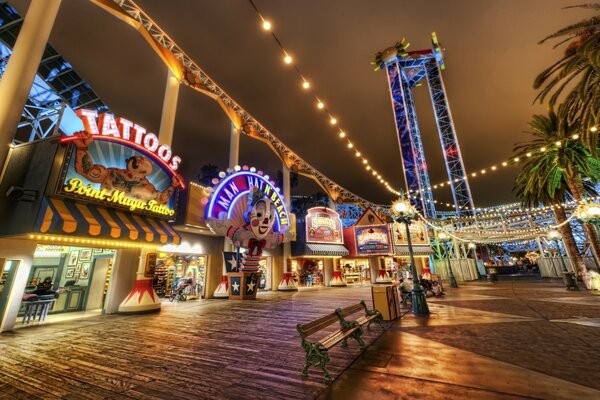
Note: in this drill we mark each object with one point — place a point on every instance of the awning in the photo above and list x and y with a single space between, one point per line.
323 249
68 217
418 250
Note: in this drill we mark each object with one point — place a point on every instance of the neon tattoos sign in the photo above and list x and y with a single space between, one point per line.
122 130
232 187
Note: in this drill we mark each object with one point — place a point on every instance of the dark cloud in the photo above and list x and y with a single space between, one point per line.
491 58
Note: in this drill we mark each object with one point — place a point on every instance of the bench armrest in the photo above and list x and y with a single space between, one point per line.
367 311
343 322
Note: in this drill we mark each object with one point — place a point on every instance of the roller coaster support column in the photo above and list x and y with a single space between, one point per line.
287 282
222 291
143 298
22 67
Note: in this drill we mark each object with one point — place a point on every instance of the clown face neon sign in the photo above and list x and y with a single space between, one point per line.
241 183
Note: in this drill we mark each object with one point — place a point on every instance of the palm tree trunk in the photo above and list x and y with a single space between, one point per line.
575 187
569 242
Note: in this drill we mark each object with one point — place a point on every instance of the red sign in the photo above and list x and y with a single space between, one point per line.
323 226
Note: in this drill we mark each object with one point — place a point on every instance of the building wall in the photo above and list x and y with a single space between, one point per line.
21 250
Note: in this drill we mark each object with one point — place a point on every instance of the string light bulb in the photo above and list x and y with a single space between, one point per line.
266 25
333 121
593 129
342 134
320 105
287 59
305 85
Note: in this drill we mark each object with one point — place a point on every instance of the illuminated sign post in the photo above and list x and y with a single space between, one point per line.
116 163
371 240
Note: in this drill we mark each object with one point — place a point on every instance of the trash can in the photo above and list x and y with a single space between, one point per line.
570 280
386 301
492 275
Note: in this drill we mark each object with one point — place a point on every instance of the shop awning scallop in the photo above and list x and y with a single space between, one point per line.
323 249
87 220
418 250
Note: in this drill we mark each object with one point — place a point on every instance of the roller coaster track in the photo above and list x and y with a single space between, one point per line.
190 74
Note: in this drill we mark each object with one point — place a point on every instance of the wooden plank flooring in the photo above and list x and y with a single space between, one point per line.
213 349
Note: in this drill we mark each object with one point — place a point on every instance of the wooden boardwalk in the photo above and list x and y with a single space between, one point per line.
214 349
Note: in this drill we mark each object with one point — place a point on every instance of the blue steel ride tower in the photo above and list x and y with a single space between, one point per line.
405 70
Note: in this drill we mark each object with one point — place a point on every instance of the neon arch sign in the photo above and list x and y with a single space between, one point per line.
232 187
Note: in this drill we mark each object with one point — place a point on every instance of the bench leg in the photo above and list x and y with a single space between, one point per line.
316 357
357 336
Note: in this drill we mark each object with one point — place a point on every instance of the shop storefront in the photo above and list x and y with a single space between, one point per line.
371 250
318 247
79 210
422 250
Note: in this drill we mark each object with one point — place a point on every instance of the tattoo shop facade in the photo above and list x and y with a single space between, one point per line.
85 220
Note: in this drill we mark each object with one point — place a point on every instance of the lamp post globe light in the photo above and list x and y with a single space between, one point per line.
403 212
445 238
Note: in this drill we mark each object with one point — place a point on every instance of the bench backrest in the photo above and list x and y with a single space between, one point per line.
319 324
352 309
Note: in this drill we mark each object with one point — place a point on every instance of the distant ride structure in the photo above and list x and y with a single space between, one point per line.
405 70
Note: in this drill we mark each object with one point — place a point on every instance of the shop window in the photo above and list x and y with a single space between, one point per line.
187 272
76 278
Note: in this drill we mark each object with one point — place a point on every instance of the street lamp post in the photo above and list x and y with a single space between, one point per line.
473 247
403 211
445 238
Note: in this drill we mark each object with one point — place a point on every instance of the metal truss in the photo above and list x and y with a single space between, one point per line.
409 139
457 177
56 87
192 75
405 71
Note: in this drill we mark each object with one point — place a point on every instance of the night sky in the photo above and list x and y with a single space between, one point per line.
491 56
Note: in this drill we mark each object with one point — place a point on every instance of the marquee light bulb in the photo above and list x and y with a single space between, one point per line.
287 59
266 25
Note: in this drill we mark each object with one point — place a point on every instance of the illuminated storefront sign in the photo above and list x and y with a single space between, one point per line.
236 186
372 240
107 127
323 226
418 234
116 164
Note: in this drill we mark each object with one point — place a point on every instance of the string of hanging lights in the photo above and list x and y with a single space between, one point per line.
306 85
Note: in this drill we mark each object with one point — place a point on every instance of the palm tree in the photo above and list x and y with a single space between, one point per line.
578 70
558 166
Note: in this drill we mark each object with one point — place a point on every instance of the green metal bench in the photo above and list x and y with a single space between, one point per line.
317 351
368 318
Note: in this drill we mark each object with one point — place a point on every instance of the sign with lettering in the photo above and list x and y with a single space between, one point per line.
237 186
418 233
323 225
371 240
117 175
